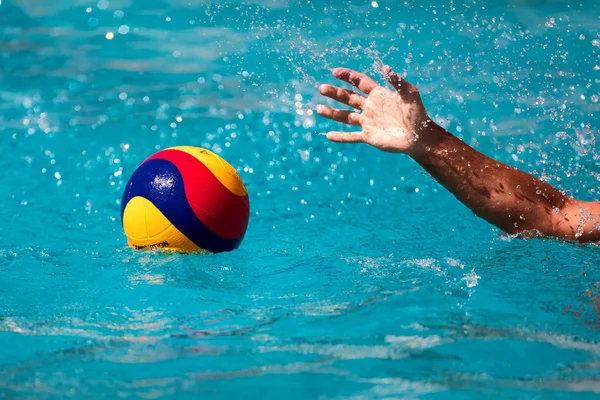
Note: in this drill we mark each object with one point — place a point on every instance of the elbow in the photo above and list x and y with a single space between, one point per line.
574 222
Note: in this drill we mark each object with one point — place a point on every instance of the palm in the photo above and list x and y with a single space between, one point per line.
390 120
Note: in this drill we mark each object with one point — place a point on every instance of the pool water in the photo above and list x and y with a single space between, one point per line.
359 277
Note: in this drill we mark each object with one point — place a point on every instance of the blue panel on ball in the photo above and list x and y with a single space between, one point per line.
160 182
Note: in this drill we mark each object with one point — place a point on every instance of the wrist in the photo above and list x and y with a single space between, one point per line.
428 137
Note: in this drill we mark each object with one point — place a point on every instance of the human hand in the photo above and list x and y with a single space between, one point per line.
392 121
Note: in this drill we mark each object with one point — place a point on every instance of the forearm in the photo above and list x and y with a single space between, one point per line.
504 196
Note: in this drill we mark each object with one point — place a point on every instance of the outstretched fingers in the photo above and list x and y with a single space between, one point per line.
402 86
345 137
347 117
345 96
361 81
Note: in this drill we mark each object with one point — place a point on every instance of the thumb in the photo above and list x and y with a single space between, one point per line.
402 86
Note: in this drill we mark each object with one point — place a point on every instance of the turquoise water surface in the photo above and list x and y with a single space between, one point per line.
360 277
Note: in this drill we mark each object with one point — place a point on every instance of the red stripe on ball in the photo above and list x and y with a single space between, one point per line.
220 210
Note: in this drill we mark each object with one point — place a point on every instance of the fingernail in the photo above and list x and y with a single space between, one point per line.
338 71
320 108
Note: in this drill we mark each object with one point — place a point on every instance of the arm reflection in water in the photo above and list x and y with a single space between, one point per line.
396 121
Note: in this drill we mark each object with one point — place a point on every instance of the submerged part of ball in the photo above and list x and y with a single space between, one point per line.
185 199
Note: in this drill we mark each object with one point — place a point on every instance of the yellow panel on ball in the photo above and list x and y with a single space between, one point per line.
147 228
220 168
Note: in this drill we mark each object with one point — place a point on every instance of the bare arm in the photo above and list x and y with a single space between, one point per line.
512 200
504 196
